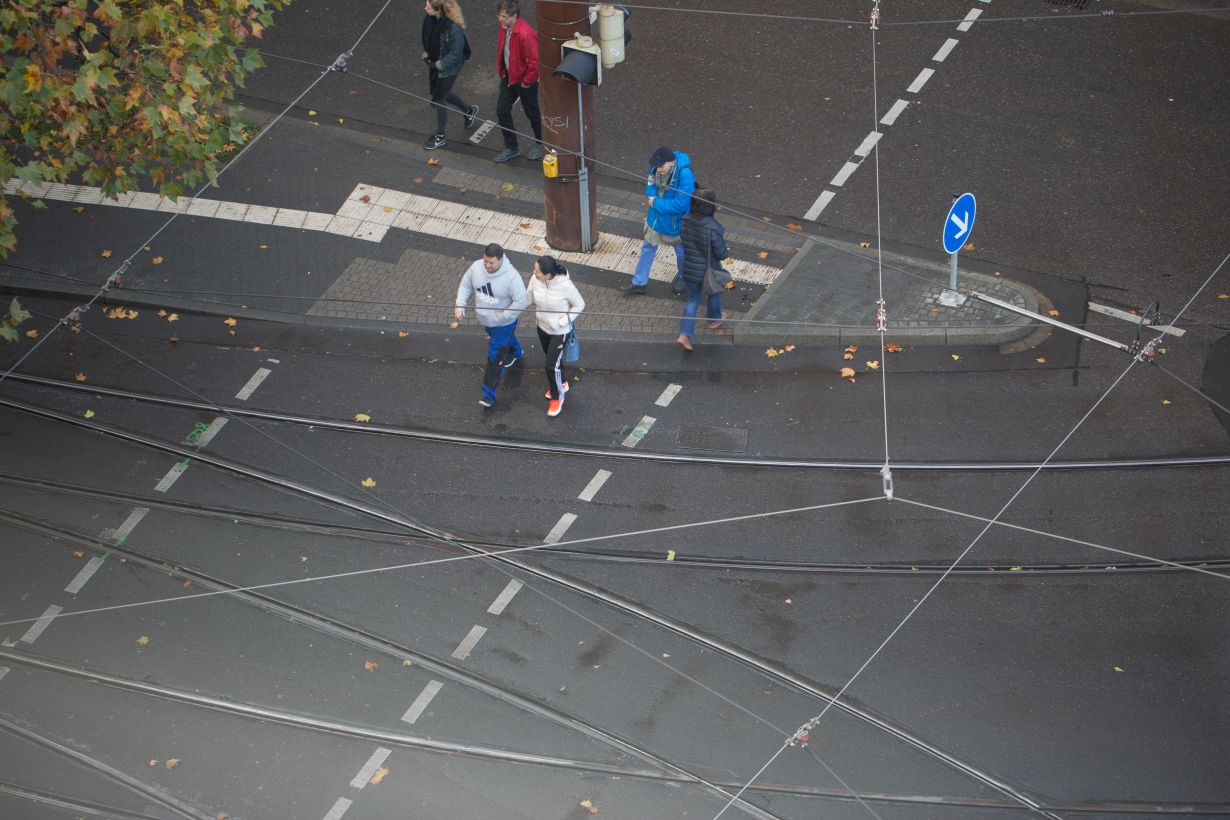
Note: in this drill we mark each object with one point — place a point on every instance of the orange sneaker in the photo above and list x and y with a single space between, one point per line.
555 406
563 388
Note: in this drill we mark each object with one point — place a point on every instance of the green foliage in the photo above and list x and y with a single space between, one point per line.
117 92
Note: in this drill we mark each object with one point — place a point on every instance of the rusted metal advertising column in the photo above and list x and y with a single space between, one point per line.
567 124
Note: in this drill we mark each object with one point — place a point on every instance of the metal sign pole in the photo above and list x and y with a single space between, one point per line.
587 241
951 297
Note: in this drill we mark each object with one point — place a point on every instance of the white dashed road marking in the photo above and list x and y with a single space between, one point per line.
844 174
4 670
595 484
894 112
973 15
920 80
639 432
945 50
819 205
502 600
468 643
86 573
867 144
369 768
668 395
561 527
130 523
212 430
42 623
339 809
171 477
253 383
422 701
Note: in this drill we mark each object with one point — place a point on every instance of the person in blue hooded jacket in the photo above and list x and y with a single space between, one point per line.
669 189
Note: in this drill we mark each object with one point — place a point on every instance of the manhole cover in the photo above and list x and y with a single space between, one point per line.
724 439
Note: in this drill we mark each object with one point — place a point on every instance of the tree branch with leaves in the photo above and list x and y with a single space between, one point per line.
120 92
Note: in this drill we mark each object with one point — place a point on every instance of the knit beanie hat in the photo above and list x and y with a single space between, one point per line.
661 156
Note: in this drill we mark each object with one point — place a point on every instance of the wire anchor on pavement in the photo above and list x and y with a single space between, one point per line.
342 63
875 16
888 481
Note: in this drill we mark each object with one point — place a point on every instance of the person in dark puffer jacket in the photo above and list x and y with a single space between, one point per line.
444 52
704 246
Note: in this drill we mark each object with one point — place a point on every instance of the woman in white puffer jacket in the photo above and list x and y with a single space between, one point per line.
557 303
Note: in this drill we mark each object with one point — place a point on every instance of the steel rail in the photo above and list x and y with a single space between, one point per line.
587 590
386 645
79 807
589 451
1016 569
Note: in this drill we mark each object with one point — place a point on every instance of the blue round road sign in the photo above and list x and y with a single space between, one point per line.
959 223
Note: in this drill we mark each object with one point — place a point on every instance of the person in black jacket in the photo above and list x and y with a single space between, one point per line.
704 247
445 51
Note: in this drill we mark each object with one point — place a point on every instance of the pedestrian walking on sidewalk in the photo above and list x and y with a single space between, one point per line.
669 189
499 297
558 303
517 65
445 51
704 248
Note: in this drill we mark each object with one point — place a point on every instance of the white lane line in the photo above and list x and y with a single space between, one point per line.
130 523
468 643
422 701
369 768
8 642
668 395
594 485
561 527
945 50
894 112
86 573
867 144
920 80
42 623
502 600
253 383
973 15
1133 318
639 432
212 430
339 809
844 174
819 205
4 670
171 477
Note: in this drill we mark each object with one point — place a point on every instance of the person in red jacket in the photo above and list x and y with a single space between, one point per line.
517 65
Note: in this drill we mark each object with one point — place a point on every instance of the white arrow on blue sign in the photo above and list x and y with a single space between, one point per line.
959 223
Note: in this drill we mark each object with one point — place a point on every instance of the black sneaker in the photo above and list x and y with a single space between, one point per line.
470 115
434 142
507 154
630 288
677 287
534 153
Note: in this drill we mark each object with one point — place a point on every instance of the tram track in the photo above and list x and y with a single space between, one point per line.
625 454
617 603
1018 569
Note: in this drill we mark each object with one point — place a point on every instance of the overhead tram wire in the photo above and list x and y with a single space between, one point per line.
803 732
112 279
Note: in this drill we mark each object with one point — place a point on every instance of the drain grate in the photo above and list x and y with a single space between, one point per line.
723 439
1069 4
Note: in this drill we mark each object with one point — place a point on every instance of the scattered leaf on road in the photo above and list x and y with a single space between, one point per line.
969 246
590 806
379 775
89 414
311 112
172 762
893 347
1165 401
864 244
847 372
368 482
453 324
157 260
370 665
1223 296
794 227
1118 668
229 322
1052 312
433 161
1040 360
143 640
873 364
852 349
848 357
362 417
80 377
670 555
31 334
418 180
106 253
508 186
955 357
762 255
401 334
365 198
78 554
79 210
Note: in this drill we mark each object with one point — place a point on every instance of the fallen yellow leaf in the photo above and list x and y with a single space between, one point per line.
969 246
172 763
80 377
78 554
362 417
79 210
762 255
852 349
340 121
1118 668
370 665
590 806
157 260
453 324
263 247
789 348
864 244
847 372
893 347
229 322
670 555
380 774
955 357
847 357
771 352
874 365
89 414
106 253
1223 296
256 349
1052 312
1165 401
172 317
311 112
418 180
1040 360
368 482
143 640
31 334
401 334
433 161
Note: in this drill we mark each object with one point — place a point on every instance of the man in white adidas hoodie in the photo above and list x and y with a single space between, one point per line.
499 298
